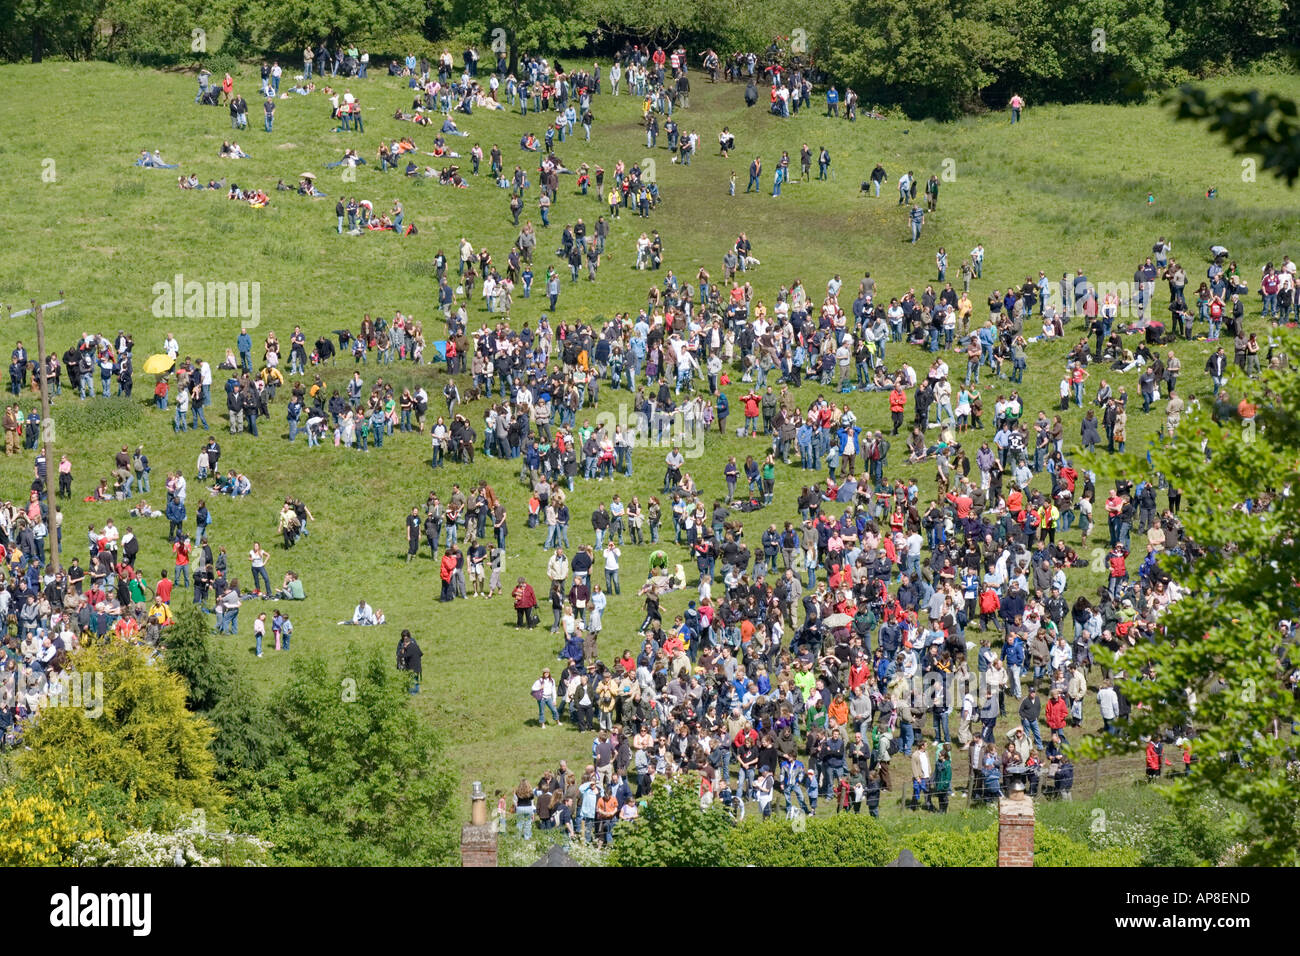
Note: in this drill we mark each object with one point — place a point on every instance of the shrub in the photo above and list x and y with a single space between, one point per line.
1195 835
1056 849
953 847
673 831
44 829
220 64
840 840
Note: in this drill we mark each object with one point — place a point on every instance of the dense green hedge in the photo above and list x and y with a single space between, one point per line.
861 840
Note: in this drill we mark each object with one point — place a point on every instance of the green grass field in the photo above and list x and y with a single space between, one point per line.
1066 188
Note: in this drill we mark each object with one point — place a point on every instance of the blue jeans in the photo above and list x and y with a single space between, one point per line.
524 821
941 726
544 705
259 574
906 738
259 643
745 782
1031 730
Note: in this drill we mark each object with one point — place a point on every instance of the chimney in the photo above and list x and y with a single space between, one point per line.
1016 828
478 838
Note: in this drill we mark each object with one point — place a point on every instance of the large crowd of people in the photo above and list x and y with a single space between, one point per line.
879 619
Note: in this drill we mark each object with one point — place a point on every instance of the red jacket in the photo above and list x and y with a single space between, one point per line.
525 597
1056 713
1153 756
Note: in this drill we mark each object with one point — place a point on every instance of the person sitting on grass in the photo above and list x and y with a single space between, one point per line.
291 589
365 615
417 118
307 187
350 158
153 161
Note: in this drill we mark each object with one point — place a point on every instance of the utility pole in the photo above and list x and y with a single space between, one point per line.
38 309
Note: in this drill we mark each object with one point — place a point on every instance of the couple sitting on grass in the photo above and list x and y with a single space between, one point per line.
153 160
192 182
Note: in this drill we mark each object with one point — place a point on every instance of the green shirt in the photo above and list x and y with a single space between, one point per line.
942 775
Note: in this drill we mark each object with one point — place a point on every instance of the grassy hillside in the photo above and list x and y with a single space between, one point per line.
1066 188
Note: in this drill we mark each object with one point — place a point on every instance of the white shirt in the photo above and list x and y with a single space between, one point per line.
1108 702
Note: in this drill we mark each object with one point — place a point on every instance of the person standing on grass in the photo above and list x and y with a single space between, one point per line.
258 557
917 219
410 659
1017 104
269 107
544 693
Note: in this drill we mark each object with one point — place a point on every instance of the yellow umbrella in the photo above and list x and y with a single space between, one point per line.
159 364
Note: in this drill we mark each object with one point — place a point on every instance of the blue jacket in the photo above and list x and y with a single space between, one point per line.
1013 652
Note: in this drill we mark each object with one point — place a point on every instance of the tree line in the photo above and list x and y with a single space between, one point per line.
940 58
